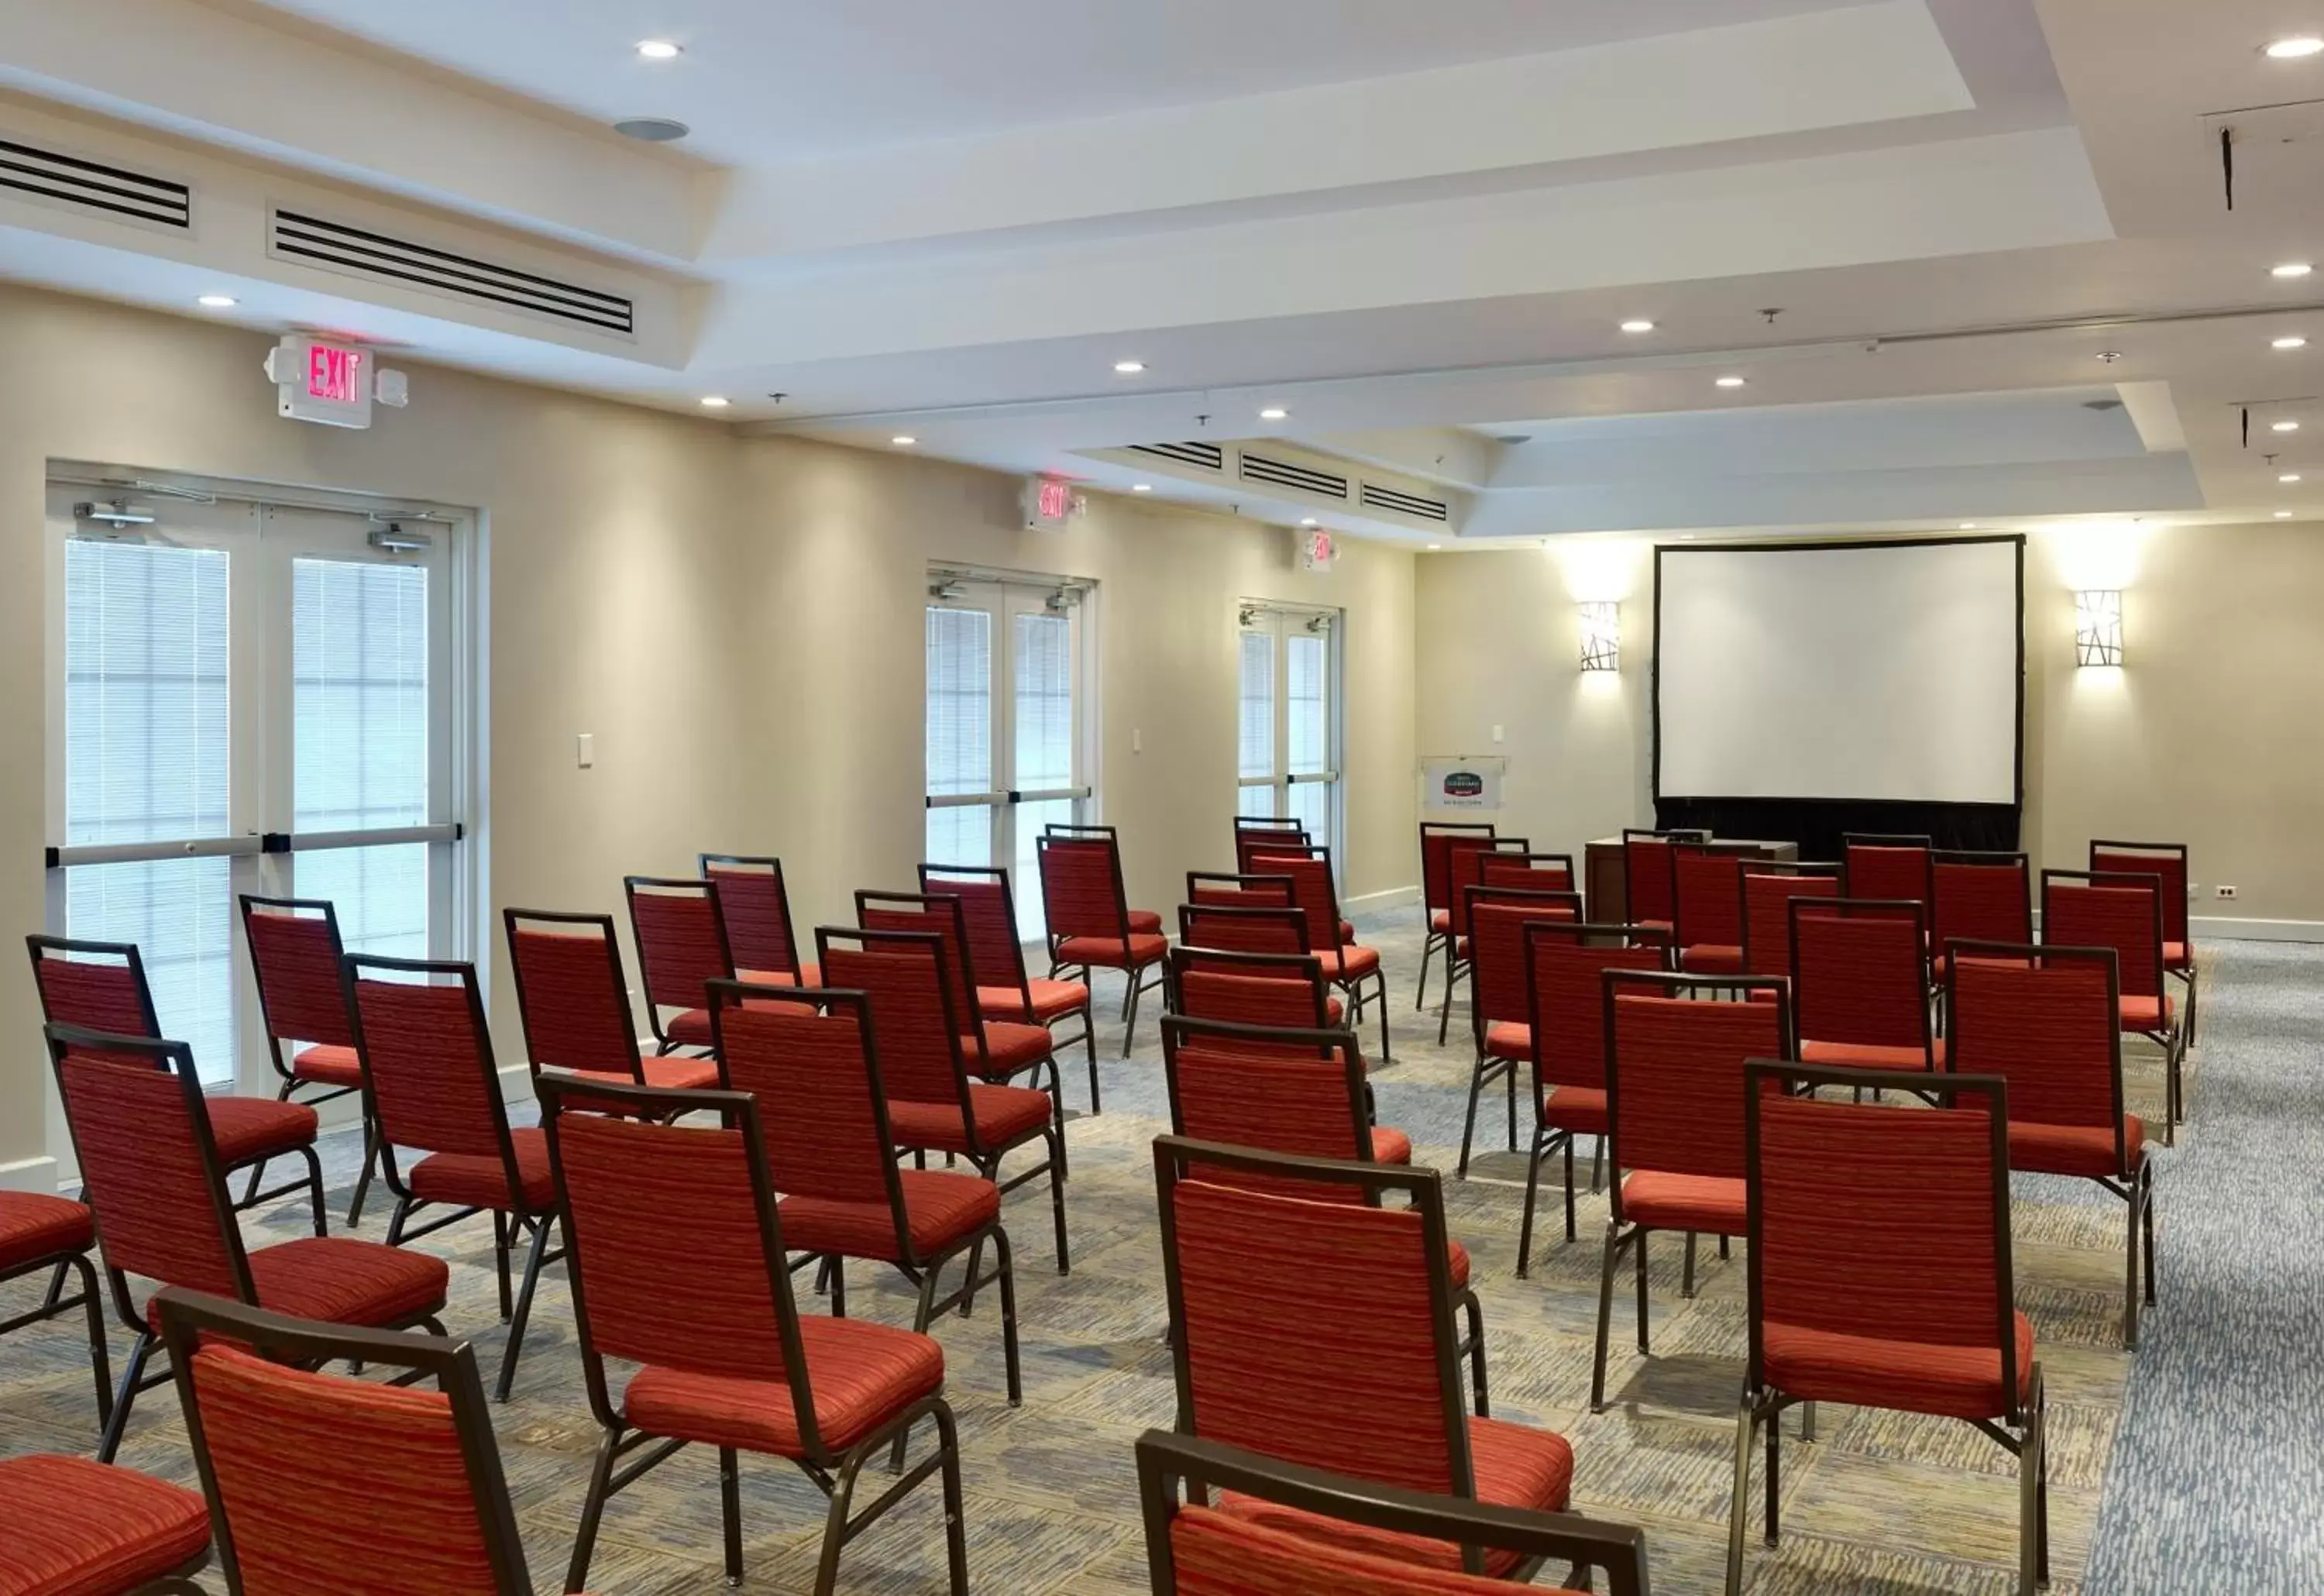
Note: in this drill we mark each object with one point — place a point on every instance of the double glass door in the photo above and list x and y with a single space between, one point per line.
1288 759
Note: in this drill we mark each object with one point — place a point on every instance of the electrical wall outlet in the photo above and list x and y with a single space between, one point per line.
2225 891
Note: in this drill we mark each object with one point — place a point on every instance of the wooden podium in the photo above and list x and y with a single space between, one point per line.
1609 901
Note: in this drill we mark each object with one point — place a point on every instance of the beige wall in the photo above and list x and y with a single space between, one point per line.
2205 736
736 619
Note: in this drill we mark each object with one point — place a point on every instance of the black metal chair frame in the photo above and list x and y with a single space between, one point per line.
1132 987
602 924
770 866
251 903
2178 851
1352 986
674 887
1491 1066
1305 968
2169 1034
1455 966
1778 867
55 1303
932 879
1433 941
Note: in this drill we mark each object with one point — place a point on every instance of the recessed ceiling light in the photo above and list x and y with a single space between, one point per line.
1129 368
658 50
2283 427
1432 548
1687 536
2291 341
2289 477
1273 412
1141 487
1306 520
715 401
1731 381
216 301
1638 324
2291 269
1969 526
2296 47
2284 515
903 440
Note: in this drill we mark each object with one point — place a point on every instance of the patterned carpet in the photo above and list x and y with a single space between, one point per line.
1881 1504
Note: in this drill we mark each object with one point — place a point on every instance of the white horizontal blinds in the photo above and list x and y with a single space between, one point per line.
959 733
1307 704
147 760
1042 687
360 734
1257 704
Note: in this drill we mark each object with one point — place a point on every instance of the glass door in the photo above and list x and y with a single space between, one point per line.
1288 719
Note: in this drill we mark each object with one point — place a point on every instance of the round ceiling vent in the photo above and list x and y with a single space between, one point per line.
653 130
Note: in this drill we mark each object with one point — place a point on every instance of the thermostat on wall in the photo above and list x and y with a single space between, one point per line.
329 383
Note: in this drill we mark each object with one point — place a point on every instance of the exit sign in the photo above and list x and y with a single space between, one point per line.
325 380
1050 502
337 375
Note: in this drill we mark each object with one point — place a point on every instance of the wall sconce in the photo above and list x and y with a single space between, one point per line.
1602 636
2098 626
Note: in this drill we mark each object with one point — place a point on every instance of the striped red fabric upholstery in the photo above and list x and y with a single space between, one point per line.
1246 1000
1247 894
1464 867
1111 953
672 1265
918 1052
1220 1554
1437 863
245 1128
1004 1115
483 1182
2048 1029
141 1165
1248 929
1052 1000
1568 996
1081 887
340 1280
864 1373
940 1207
93 993
757 911
430 1077
2169 863
993 950
1877 1225
1497 955
297 960
1523 871
1767 917
34 1225
942 921
1678 1098
1226 1090
1982 902
1648 867
679 948
816 1106
2125 918
1858 979
1251 841
1709 898
1310 892
1876 871
81 1528
575 1017
401 1517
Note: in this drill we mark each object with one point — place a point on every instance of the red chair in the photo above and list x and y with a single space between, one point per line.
1675 1116
2043 1019
1235 929
294 952
1649 874
823 1112
100 986
79 1528
934 1103
1346 965
431 1086
1859 978
1536 872
1344 1354
39 1232
1256 834
1978 898
1707 899
755 907
1209 889
2124 913
1195 1549
1004 991
680 933
1287 991
1090 925
2167 862
677 1267
151 1173
417 1499
1768 889
573 1002
1877 865
1436 841
1565 1010
1464 861
1500 1016
1142 921
1881 1275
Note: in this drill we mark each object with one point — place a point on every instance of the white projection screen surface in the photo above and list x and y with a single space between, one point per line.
1887 672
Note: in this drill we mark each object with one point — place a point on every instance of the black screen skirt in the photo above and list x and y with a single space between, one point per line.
1817 825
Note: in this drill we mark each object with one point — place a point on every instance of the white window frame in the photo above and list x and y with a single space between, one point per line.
1280 623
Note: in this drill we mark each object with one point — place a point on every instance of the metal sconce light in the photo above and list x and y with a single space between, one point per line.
2098 626
1602 636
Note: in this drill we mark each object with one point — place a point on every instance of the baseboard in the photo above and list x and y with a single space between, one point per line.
516 1082
2220 926
28 1175
1375 902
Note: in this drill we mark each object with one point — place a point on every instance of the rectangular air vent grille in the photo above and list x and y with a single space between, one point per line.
1207 457
365 253
1282 474
1379 498
89 185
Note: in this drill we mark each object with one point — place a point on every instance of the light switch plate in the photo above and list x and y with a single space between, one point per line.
585 750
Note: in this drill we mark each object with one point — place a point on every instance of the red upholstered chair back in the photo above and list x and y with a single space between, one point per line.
1565 968
1885 1222
1345 1360
902 975
1859 971
2123 912
1536 872
1649 873
681 938
418 1493
1464 863
294 951
571 997
756 907
816 1077
1887 867
428 1057
1081 887
1675 1068
2167 860
98 986
1982 897
1244 929
931 916
1211 889
1498 917
988 913
1707 892
1767 913
1285 990
1312 891
1295 1091
1252 841
2043 1019
1436 842
148 1165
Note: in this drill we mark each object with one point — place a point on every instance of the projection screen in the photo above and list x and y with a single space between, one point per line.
1885 671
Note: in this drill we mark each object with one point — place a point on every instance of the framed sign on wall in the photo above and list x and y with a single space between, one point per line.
1461 781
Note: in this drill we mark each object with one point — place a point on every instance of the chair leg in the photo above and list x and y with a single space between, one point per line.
1444 1011
955 1511
100 1361
118 1421
1746 1422
1641 1262
1089 1046
2033 1530
838 1266
56 1291
363 1181
1614 1244
1512 1074
1775 1470
1567 1137
1468 1126
2147 1207
730 1511
1476 1315
1427 952
1005 1267
1533 1188
1598 1166
1686 1275
1057 1198
592 1509
533 1259
2130 1270
501 1264
1380 976
1130 1017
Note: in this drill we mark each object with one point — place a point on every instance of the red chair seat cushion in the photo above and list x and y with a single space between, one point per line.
681 1074
1904 1376
1004 1115
1664 1202
1944 961
34 1225
940 1205
247 1128
1349 963
83 1528
1440 919
1347 931
2175 956
2142 1014
327 1065
1716 958
1506 1039
1107 953
808 975
1575 1108
1867 1056
1009 1048
476 1182
690 1028
343 1281
2073 1149
862 1374
1515 1465
1052 1002
1145 922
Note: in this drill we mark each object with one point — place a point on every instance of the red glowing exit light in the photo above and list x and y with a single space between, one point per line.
336 374
1056 500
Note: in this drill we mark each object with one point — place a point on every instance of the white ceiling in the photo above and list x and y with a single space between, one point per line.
1414 227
